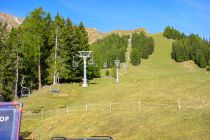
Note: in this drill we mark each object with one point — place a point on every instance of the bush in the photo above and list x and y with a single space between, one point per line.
192 47
110 48
142 46
107 72
208 68
171 33
135 57
114 72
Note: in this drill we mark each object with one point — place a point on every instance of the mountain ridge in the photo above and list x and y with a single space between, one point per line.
93 33
12 21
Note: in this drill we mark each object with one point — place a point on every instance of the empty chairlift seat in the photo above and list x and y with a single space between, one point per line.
54 88
10 120
25 92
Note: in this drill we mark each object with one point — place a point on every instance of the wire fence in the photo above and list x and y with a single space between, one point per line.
124 126
114 107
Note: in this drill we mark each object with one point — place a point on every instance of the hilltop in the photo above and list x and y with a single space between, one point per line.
12 21
95 35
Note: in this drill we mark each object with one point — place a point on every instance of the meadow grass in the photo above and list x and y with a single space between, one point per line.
157 83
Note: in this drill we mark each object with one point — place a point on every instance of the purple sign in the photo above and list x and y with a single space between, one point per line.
10 119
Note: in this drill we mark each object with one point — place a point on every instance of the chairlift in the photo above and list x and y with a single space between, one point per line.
91 62
74 63
117 63
124 66
25 91
105 65
110 64
55 87
127 56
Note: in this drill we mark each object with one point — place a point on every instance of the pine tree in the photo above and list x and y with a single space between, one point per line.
3 38
32 39
144 44
34 44
191 47
135 57
208 68
57 57
7 59
108 49
201 60
46 48
171 33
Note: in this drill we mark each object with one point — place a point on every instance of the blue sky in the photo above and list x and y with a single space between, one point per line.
106 15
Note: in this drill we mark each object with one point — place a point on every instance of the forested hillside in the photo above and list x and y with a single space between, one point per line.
191 47
109 49
28 52
146 100
94 34
142 47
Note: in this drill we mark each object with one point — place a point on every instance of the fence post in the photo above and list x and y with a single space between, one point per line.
32 135
178 104
139 104
86 108
110 106
67 108
42 113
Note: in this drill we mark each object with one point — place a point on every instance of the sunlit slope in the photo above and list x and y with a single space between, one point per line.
156 84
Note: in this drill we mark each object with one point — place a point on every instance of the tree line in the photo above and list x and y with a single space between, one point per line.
142 47
38 49
191 47
110 48
171 33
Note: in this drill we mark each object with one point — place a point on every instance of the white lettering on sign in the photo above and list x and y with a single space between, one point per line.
4 118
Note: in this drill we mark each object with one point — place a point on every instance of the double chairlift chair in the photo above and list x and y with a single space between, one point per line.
105 65
55 87
25 91
74 63
91 62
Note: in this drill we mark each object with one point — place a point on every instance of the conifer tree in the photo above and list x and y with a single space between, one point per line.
7 59
135 57
208 68
3 38
191 47
34 44
201 60
144 45
110 48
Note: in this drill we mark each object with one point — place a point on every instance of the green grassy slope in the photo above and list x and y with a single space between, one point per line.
157 83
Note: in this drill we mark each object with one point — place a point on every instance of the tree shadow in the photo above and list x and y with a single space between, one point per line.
24 135
93 83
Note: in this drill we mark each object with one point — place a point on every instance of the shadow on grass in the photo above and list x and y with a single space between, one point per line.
93 83
24 135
